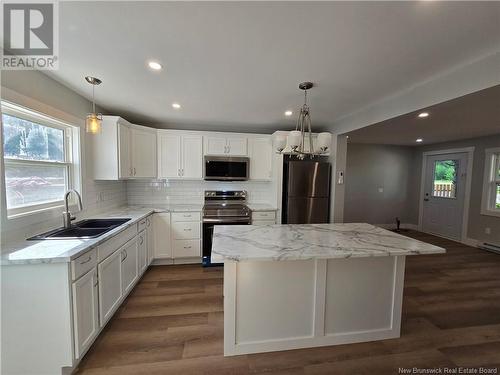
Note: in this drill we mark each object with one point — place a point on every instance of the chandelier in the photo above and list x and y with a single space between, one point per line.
301 140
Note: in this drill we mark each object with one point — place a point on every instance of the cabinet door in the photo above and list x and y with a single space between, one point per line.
162 246
124 151
169 155
129 265
142 252
260 151
192 157
143 153
85 311
216 145
149 239
110 286
237 146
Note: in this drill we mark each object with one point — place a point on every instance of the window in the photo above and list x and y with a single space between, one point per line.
491 188
38 160
445 179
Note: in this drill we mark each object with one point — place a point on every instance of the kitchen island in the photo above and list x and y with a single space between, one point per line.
299 286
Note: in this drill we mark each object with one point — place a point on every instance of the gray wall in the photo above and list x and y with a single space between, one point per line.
477 222
373 167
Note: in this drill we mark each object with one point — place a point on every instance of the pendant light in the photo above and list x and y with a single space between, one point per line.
93 121
303 130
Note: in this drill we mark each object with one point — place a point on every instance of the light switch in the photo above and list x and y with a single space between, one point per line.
380 189
340 177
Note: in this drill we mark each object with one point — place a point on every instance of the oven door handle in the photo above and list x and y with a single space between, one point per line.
232 220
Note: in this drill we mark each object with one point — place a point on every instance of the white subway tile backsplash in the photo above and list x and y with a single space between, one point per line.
192 192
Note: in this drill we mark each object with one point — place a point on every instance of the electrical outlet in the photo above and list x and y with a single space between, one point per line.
487 230
380 189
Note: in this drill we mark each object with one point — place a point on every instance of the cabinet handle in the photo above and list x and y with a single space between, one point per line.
86 260
182 171
179 172
148 222
187 229
142 240
135 172
187 247
186 215
126 255
96 281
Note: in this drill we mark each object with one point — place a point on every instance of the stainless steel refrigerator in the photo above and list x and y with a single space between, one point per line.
306 191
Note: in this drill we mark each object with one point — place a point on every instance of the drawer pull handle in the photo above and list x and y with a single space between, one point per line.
187 247
126 255
86 260
187 229
142 240
187 215
142 222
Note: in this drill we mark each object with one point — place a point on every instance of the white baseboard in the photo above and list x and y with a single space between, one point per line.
169 261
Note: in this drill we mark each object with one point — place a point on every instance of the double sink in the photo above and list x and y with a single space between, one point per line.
85 229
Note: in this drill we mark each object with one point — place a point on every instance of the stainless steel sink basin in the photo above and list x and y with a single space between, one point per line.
90 228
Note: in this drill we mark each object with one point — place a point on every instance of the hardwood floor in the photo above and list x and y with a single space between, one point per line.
172 323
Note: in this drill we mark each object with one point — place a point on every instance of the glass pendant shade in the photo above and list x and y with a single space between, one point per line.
280 143
93 123
324 141
294 138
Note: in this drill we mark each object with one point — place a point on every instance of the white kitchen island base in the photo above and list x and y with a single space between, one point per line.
291 304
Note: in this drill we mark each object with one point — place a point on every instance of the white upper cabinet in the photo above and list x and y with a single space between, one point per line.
226 145
143 153
260 153
123 150
180 155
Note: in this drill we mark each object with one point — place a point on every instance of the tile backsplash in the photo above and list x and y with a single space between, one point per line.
191 192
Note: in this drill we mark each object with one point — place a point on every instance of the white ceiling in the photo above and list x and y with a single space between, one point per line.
470 116
236 65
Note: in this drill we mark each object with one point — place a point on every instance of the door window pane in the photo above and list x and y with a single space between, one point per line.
27 140
445 178
34 184
497 200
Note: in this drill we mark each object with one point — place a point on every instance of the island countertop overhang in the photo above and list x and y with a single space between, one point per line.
282 242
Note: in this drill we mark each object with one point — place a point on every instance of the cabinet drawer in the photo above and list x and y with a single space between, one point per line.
186 216
83 264
186 248
110 246
142 225
263 222
186 231
264 215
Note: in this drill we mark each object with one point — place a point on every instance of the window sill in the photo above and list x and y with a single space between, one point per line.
490 212
48 212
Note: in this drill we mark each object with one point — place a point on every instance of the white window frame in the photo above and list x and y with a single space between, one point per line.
491 163
68 129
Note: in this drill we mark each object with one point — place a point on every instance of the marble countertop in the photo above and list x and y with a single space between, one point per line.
311 241
261 207
61 251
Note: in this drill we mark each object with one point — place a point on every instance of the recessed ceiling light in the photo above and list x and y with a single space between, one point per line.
176 105
423 114
288 113
154 65
418 140
347 137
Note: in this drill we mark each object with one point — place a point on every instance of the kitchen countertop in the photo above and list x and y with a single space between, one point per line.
261 207
311 241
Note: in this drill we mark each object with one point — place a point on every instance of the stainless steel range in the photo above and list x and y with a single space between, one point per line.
222 207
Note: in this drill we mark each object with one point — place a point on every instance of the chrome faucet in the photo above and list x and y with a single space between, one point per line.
67 216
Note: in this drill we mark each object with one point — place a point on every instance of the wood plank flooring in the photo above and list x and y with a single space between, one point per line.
172 323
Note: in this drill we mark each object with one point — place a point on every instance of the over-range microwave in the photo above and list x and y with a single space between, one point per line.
224 168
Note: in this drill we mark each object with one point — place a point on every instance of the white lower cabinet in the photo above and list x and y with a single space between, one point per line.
149 239
142 251
110 286
162 247
129 265
85 311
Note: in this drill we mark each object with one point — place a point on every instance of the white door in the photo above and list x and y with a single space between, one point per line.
110 286
444 194
260 152
143 154
149 239
237 146
215 146
85 311
129 265
124 151
192 157
162 246
142 251
169 155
